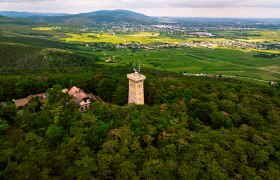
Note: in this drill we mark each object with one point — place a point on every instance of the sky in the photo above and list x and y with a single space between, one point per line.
174 8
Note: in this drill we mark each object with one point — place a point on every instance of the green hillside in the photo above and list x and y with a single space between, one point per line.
19 57
196 128
7 20
96 17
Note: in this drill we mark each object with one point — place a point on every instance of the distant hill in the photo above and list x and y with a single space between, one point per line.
5 19
15 14
118 15
8 20
97 17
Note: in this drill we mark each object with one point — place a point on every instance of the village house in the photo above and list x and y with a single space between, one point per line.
79 97
20 103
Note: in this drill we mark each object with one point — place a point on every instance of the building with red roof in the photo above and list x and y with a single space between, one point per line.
81 98
20 103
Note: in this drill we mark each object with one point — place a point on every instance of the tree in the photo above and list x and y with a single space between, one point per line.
54 134
33 105
126 170
2 94
219 120
55 95
8 113
214 171
120 95
273 117
23 88
106 88
203 111
3 126
85 167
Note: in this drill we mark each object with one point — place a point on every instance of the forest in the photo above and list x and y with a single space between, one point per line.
24 57
190 128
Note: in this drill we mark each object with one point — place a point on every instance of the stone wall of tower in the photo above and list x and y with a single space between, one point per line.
136 89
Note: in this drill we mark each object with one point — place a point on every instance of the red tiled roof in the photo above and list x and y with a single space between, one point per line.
73 90
78 94
24 101
21 102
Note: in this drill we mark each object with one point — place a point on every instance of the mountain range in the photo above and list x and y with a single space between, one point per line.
9 20
83 18
15 14
117 16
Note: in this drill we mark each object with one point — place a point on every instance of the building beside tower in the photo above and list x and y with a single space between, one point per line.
136 88
81 98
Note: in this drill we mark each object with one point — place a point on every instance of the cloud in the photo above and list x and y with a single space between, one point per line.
173 7
165 3
204 3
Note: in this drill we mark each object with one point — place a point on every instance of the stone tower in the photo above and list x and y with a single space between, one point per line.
136 88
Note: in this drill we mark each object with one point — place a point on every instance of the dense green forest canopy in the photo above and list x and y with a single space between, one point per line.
18 56
191 127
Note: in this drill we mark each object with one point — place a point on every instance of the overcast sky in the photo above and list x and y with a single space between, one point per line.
185 8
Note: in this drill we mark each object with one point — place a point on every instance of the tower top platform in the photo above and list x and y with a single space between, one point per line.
136 76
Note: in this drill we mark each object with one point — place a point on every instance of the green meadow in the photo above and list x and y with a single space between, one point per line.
198 60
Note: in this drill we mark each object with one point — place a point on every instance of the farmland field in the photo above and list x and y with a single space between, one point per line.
199 60
143 38
251 35
149 37
140 37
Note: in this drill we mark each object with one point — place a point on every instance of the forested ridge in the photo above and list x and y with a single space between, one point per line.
190 128
15 56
